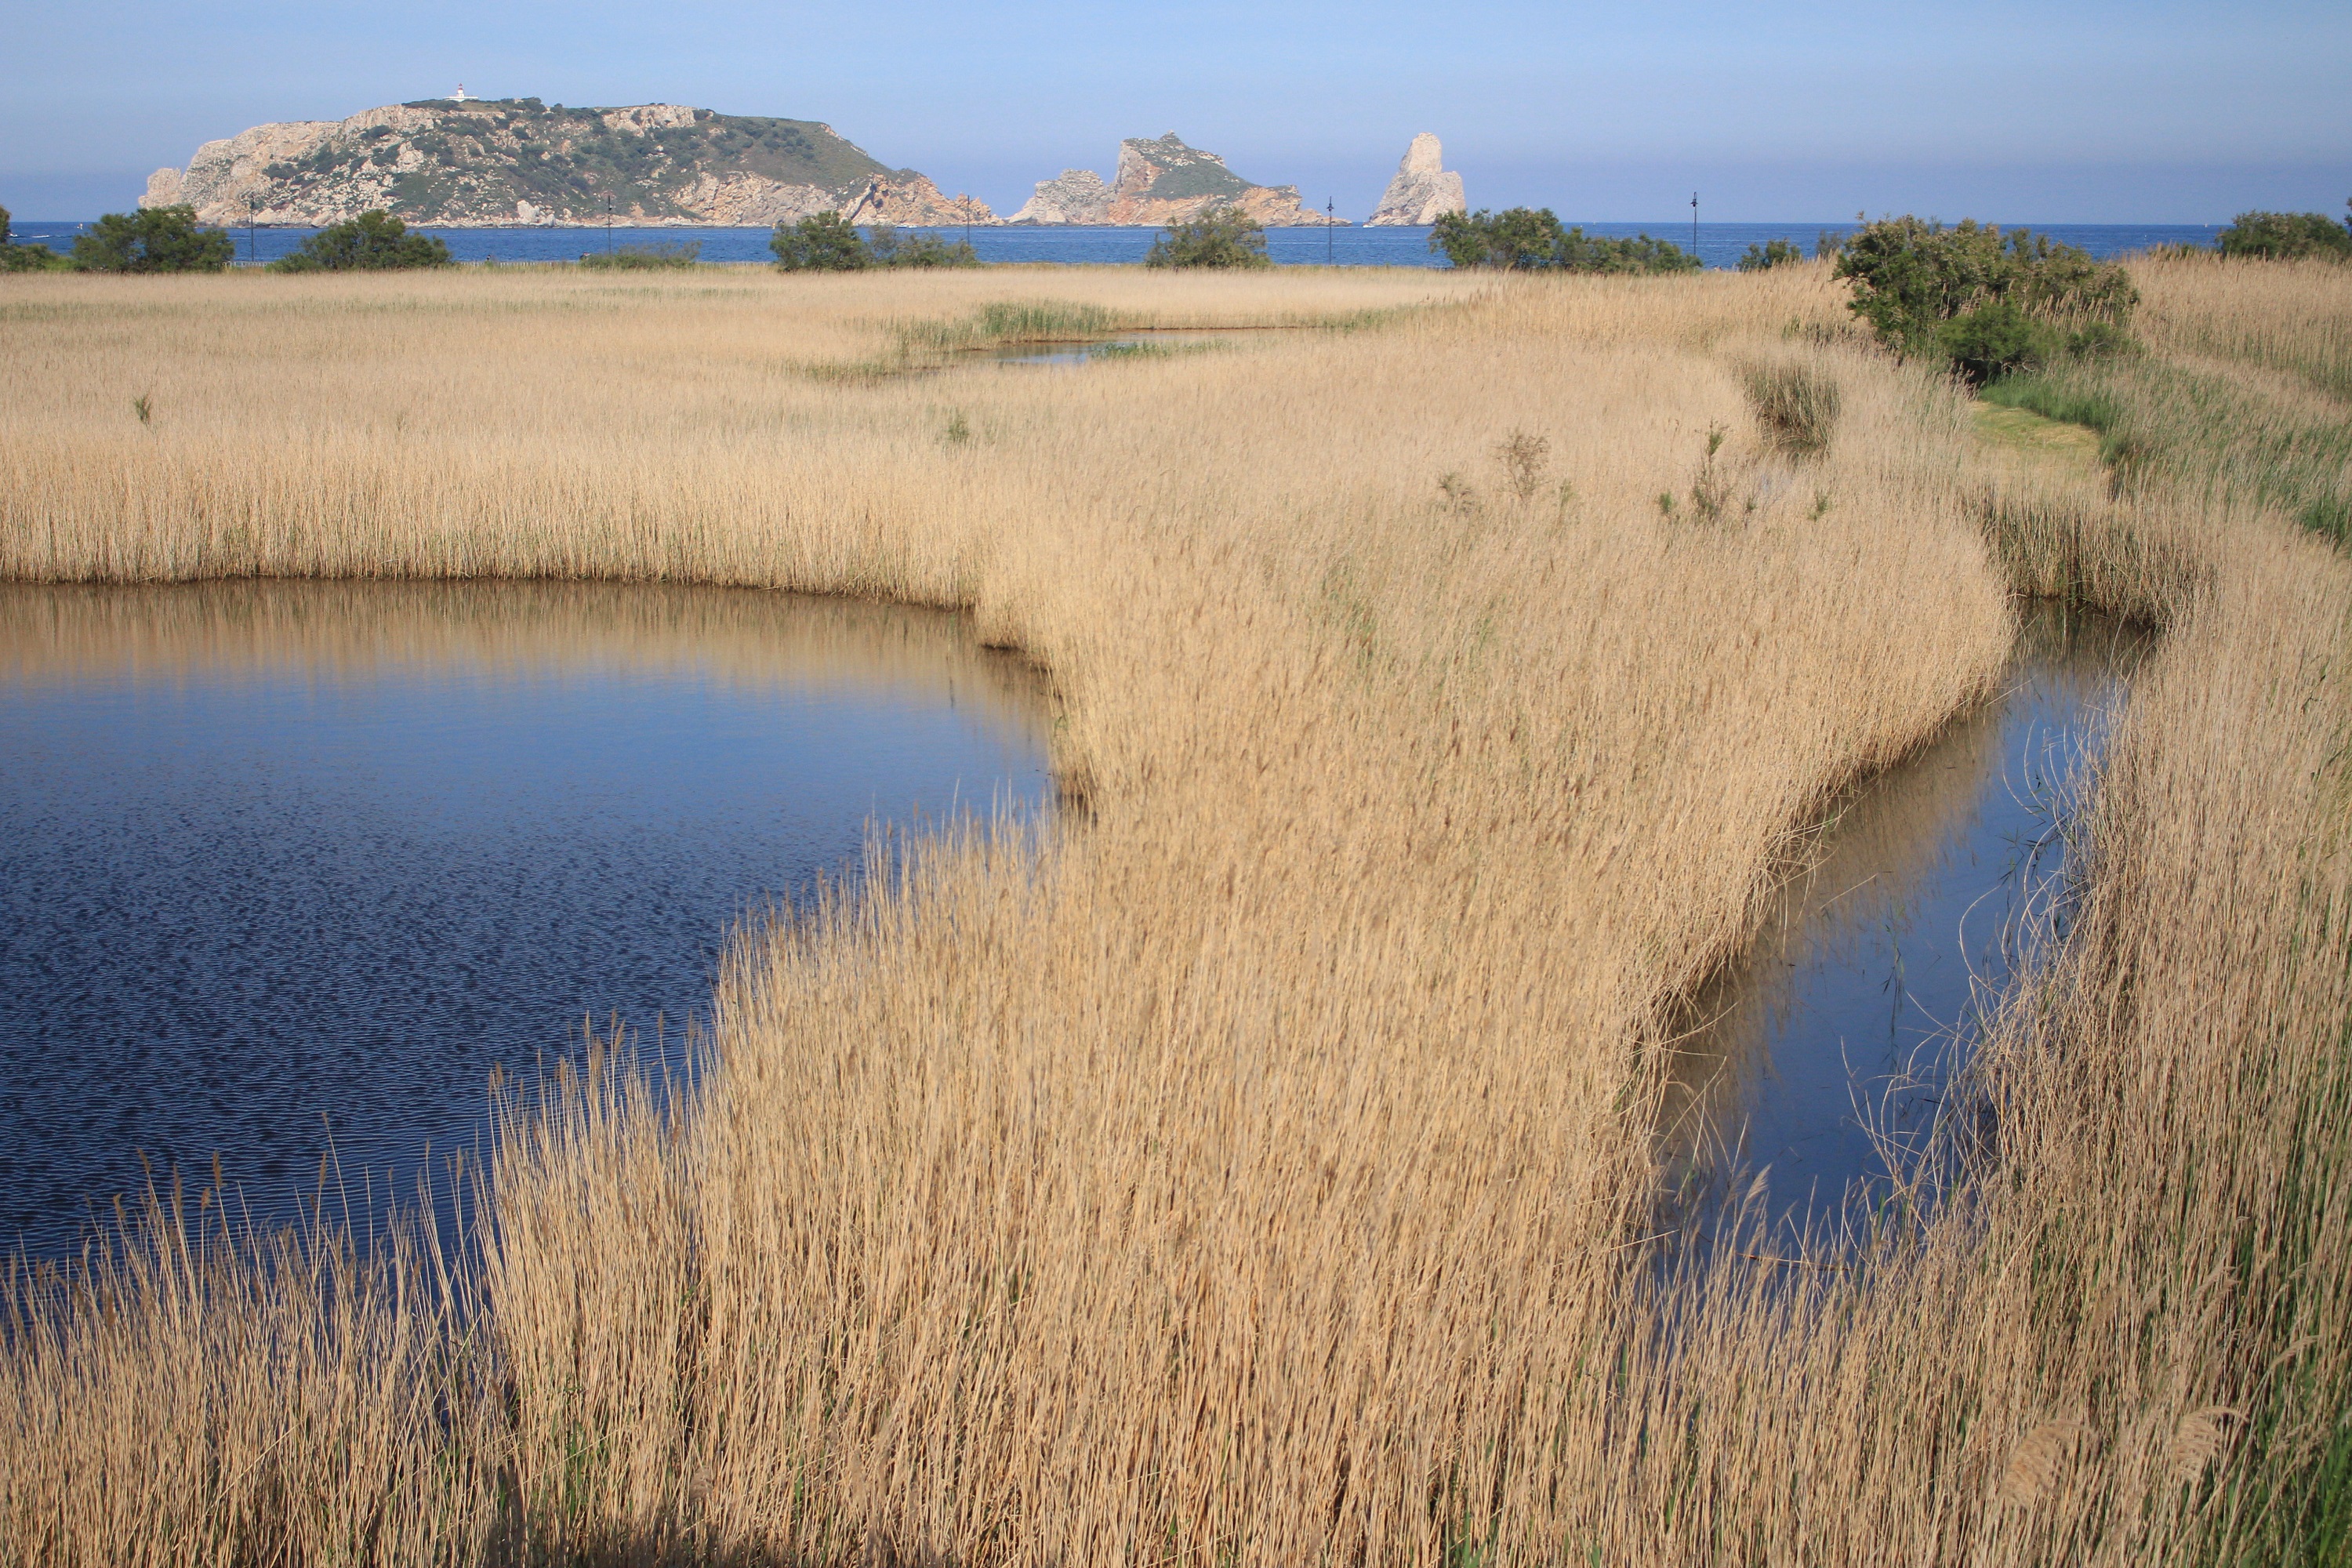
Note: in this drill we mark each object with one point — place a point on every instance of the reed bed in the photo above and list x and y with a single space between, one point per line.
1262 1168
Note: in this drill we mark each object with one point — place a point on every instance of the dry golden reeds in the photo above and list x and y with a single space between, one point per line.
1260 1171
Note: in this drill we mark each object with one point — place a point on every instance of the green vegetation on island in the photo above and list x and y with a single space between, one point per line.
371 242
1530 239
482 159
1222 237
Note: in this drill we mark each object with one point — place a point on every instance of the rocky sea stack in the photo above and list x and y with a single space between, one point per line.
1424 190
476 162
1162 181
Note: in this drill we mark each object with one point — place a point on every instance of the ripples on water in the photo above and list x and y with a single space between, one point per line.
275 857
1931 885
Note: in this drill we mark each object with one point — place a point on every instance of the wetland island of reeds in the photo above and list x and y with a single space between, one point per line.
1265 1164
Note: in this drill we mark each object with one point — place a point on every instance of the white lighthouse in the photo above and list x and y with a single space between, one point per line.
459 96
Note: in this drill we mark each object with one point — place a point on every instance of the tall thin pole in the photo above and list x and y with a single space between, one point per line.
1331 231
1693 225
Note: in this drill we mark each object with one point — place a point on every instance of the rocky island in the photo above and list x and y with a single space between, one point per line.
1162 181
477 162
1423 191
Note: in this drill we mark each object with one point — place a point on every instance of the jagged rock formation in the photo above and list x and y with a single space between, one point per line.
492 162
1423 191
1163 182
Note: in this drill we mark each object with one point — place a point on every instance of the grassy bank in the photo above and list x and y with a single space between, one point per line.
1263 1171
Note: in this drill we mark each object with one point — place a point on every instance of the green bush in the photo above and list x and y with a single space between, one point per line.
371 242
1770 254
1994 340
825 242
2287 236
14 258
154 240
1912 279
1222 237
645 257
1531 239
889 247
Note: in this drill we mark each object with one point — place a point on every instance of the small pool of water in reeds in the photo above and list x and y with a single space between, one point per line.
1831 1044
278 859
1147 342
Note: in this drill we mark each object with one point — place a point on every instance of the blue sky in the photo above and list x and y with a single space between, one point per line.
2052 112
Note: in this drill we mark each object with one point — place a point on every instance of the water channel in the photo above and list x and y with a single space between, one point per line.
1832 1045
282 860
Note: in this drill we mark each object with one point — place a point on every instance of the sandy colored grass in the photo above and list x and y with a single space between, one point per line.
1262 1170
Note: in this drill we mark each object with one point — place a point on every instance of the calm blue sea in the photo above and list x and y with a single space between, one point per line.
1719 244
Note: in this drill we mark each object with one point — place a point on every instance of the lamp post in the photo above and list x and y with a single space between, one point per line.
1693 225
252 252
1330 239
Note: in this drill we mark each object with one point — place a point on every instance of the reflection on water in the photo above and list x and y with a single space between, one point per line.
280 855
1836 1036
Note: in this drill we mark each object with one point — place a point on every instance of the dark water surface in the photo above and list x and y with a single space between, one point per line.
280 855
1933 883
1719 244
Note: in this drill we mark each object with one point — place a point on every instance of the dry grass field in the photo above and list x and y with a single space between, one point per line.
1263 1169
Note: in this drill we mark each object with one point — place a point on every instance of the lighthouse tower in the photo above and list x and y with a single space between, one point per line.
459 96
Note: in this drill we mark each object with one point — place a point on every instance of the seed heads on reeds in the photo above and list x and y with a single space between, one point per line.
2041 1460
2203 1436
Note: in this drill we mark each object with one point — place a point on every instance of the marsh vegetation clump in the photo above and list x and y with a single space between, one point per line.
654 258
1265 1169
1795 401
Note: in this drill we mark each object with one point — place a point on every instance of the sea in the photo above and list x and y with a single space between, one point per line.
1719 245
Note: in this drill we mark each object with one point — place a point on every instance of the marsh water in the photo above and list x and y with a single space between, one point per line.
1834 1040
285 861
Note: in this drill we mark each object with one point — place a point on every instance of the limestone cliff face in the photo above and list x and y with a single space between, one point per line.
1424 190
482 163
1161 181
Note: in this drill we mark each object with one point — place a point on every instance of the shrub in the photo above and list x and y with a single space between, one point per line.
371 242
1911 279
1994 340
14 258
1513 240
2287 236
645 258
1221 236
154 240
825 242
1770 254
887 247
1529 239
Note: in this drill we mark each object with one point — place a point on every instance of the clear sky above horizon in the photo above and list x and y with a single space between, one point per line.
2081 111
